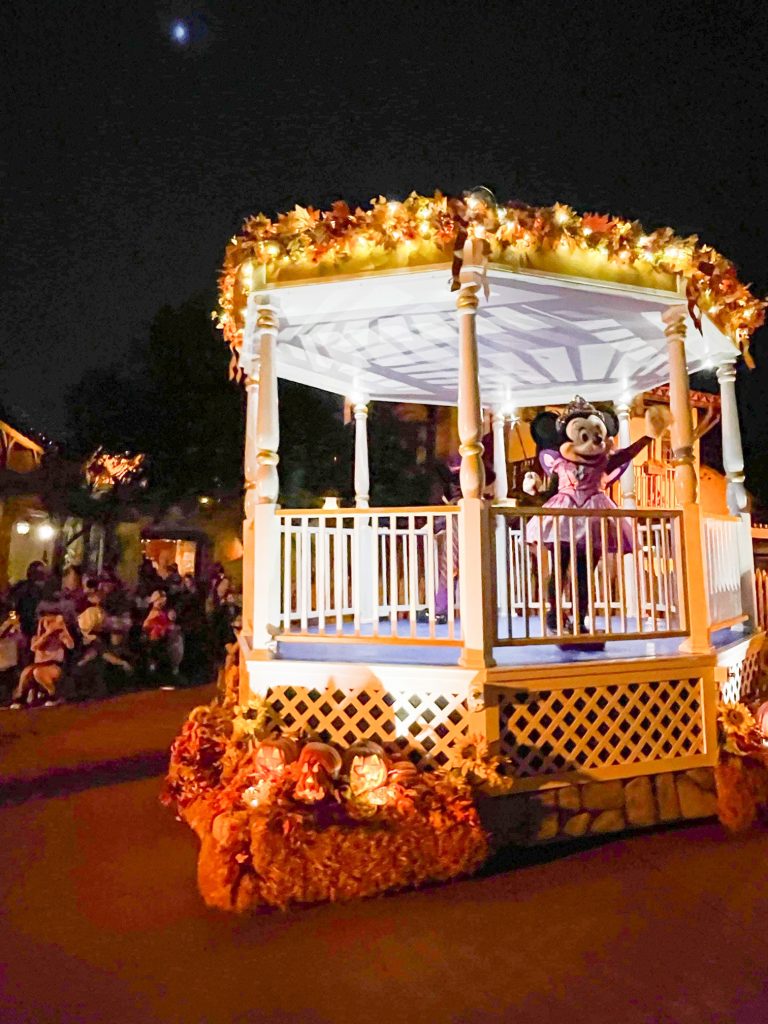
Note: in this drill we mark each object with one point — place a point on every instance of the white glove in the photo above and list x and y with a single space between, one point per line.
532 483
657 419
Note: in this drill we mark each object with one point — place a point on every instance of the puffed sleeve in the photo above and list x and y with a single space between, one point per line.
548 460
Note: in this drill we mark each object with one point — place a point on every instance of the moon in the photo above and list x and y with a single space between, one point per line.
179 32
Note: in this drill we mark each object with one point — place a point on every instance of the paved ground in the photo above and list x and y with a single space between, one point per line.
46 750
101 923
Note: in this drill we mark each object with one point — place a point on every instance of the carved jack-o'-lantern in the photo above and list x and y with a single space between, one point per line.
319 765
272 756
368 768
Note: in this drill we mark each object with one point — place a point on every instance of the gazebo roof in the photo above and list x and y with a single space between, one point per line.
574 302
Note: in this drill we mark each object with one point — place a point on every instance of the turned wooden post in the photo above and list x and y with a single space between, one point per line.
363 587
736 493
266 547
501 483
733 456
500 497
686 483
476 580
362 471
627 485
250 465
627 479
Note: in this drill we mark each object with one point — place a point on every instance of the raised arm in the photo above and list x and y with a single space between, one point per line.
624 456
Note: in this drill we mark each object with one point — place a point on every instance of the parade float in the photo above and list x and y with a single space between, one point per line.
414 685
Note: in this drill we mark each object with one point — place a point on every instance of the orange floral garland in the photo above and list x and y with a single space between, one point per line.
421 230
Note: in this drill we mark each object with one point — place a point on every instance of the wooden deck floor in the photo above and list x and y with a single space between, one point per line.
351 650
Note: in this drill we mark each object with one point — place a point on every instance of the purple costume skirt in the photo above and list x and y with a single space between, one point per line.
608 535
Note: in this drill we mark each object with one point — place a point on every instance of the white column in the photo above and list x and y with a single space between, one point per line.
500 484
627 481
476 582
628 500
250 465
686 484
362 472
733 456
266 588
736 494
362 577
500 496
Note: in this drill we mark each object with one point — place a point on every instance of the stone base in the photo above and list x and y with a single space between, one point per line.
599 808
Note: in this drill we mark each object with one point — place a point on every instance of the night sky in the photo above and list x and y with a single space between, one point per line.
128 158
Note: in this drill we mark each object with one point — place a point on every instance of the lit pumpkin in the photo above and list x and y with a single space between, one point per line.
368 768
272 756
319 765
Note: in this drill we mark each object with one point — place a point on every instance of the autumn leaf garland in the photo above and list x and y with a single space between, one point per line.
306 243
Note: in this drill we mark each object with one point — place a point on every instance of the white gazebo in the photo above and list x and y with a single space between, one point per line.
423 625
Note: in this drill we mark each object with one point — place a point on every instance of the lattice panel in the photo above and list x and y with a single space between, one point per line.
742 678
425 725
554 731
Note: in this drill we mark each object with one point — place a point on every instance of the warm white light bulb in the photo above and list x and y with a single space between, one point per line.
22 527
45 531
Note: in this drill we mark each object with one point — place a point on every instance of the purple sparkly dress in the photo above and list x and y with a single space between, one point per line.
582 485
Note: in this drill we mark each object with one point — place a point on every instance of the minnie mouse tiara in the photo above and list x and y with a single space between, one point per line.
578 407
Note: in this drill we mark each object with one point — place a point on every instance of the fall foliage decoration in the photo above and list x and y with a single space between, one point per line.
307 244
742 770
283 821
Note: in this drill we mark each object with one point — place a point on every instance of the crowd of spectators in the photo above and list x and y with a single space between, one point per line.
76 637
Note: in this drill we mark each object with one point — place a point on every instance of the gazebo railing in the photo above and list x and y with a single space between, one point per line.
632 561
379 575
721 535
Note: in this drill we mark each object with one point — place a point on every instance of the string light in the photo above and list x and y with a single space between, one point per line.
302 239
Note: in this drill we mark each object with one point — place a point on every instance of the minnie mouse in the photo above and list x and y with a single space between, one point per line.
577 448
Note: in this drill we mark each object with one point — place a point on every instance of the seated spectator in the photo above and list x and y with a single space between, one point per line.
88 676
190 614
118 663
116 600
38 681
11 642
157 626
27 595
148 578
72 588
173 579
91 619
175 644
